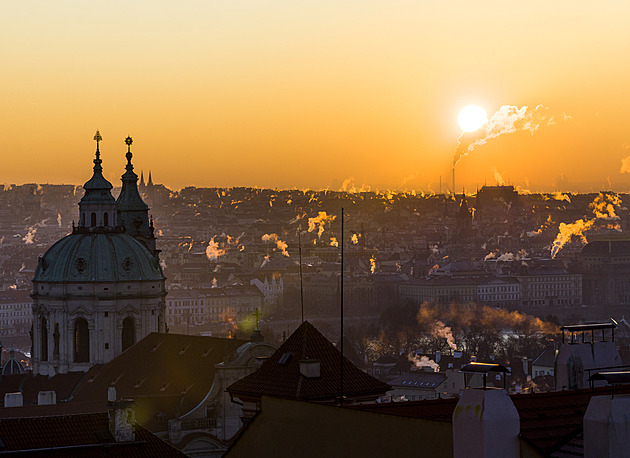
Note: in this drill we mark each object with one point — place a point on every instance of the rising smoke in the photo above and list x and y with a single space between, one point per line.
508 119
604 208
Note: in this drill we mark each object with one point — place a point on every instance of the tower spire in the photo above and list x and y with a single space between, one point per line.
132 211
98 161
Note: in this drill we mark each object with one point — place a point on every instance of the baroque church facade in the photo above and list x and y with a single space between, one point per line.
100 289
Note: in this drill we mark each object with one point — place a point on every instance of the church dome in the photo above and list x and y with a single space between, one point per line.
98 256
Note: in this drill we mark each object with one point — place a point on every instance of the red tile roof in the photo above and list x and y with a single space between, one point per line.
275 378
84 435
166 374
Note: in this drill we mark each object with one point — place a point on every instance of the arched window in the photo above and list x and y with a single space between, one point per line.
43 337
93 219
81 341
128 333
106 219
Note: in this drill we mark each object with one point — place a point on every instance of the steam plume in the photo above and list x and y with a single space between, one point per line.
603 207
508 119
280 245
320 222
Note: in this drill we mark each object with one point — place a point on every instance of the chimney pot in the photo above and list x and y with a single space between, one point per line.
13 399
46 398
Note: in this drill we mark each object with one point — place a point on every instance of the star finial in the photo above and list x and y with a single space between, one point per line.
128 142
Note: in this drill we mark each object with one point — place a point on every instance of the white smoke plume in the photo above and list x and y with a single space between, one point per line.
423 361
508 119
221 244
59 219
280 245
445 332
320 222
497 177
29 238
604 208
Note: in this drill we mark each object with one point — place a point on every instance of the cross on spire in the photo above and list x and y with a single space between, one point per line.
98 139
97 161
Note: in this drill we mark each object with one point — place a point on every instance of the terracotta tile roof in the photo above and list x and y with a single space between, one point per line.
82 435
166 374
30 385
280 375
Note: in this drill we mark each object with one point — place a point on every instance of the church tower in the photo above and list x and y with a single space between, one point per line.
132 211
98 290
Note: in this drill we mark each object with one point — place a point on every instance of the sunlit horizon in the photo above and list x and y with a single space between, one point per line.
313 95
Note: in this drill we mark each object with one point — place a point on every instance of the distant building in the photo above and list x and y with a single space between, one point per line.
605 268
550 287
16 314
439 290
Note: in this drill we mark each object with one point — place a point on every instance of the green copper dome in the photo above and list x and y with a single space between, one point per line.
98 256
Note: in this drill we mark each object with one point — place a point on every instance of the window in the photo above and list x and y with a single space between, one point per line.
106 219
128 333
93 219
81 341
44 339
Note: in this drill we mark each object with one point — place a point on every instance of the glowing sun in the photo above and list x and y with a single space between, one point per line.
472 118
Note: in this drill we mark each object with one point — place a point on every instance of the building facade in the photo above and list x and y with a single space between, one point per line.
101 288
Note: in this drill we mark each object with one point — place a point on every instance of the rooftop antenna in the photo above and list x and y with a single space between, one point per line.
301 286
341 303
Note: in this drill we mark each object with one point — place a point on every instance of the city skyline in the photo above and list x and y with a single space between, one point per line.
316 95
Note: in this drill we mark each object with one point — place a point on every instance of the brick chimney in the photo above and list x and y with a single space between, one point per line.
122 417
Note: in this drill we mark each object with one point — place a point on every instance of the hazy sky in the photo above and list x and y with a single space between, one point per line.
311 93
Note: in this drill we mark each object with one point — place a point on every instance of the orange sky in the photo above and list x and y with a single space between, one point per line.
311 93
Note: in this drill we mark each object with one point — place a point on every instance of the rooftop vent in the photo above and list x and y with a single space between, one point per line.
310 368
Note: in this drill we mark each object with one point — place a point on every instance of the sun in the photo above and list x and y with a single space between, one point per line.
472 118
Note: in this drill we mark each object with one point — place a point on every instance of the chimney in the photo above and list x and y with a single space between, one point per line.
46 398
13 399
310 368
438 356
525 365
122 418
607 427
457 354
486 424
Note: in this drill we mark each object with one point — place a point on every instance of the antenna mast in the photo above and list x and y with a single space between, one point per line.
301 286
341 302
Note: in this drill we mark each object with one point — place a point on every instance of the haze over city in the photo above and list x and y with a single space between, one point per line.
316 94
